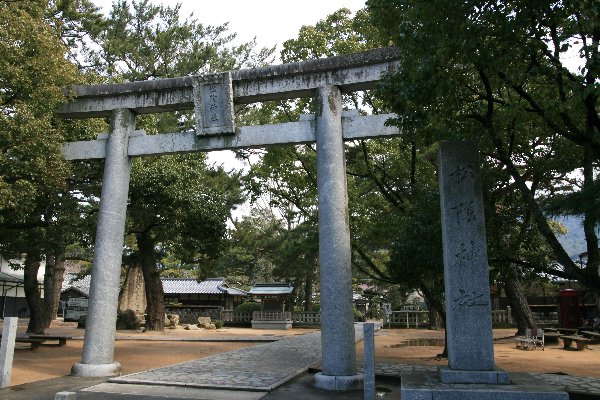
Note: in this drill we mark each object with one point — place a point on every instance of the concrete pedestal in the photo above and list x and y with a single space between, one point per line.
96 370
495 377
339 383
418 385
275 324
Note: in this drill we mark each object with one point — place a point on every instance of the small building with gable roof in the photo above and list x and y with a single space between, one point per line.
272 297
185 297
211 293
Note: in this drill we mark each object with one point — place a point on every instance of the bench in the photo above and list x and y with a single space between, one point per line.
568 331
62 340
37 340
551 337
581 342
593 336
563 331
35 343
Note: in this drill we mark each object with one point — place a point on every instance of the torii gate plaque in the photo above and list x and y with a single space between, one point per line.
213 97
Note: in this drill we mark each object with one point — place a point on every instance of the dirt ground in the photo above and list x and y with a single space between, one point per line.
390 346
553 359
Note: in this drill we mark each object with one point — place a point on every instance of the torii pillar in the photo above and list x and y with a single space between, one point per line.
99 343
337 334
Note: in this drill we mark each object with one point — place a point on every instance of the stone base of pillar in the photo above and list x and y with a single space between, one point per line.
96 370
339 383
496 377
420 385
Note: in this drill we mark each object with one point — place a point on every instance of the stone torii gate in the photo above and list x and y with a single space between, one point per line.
212 97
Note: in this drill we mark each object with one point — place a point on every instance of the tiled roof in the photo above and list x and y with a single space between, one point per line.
192 286
271 288
82 284
234 292
170 286
9 278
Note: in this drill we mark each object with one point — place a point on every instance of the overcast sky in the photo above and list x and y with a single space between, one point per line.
271 21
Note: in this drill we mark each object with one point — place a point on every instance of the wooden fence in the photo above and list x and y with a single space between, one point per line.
272 316
408 318
307 318
404 319
303 318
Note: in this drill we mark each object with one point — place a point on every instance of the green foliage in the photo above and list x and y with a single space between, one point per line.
218 323
358 316
495 73
145 41
33 72
288 174
338 33
248 308
35 180
177 202
185 204
416 256
248 257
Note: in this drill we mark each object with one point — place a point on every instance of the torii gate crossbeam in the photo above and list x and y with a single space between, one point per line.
213 97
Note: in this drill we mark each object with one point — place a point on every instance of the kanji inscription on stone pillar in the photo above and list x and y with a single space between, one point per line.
213 104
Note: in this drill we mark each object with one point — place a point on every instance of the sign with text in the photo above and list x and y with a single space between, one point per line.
387 308
213 104
76 307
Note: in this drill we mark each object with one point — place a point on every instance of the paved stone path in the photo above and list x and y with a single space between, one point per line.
572 384
265 366
568 383
262 367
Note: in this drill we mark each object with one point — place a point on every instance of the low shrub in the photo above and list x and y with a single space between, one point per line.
248 308
218 323
358 316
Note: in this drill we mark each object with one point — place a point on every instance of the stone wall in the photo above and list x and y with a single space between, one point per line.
190 314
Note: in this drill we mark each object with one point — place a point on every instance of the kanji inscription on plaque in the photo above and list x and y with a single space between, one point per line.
213 104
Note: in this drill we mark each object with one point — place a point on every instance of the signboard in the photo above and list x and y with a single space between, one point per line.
387 308
76 307
77 302
213 104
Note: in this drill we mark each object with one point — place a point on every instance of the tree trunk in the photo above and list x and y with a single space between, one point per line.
32 291
133 294
308 291
291 301
590 223
436 304
53 279
435 320
155 298
520 308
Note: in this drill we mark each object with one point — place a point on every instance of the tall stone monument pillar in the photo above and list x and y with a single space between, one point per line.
470 373
337 318
466 276
98 346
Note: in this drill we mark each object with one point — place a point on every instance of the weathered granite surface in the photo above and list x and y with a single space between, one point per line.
466 276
